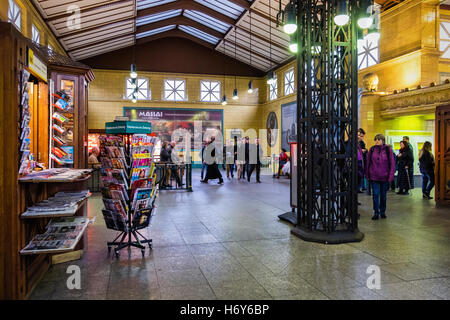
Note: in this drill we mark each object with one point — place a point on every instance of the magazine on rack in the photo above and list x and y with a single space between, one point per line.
114 221
115 206
141 198
118 175
142 218
142 183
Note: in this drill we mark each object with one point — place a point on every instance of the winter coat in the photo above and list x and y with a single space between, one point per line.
380 164
426 162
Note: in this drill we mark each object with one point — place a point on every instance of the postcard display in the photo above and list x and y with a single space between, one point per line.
128 188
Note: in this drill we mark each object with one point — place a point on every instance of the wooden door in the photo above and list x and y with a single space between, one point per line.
442 155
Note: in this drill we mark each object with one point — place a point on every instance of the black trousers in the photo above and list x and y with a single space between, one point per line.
250 171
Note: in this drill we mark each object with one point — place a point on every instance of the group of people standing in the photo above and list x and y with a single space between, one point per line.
379 164
170 169
238 156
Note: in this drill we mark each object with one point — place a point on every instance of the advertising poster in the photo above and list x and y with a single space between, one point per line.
165 121
288 124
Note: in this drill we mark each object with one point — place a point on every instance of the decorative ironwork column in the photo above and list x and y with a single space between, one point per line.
327 106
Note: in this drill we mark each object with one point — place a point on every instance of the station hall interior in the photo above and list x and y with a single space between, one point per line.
110 111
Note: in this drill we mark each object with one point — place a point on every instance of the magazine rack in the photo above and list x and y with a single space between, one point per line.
126 209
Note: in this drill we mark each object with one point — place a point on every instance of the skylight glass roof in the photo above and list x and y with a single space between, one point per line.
199 34
154 31
157 17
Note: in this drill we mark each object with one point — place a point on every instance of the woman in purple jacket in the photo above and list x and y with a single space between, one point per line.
380 171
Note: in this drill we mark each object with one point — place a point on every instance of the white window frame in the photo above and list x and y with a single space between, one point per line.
368 53
35 34
143 92
210 90
289 82
444 39
171 87
14 14
273 89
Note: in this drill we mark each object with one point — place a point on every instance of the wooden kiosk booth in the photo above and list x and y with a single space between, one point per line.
43 125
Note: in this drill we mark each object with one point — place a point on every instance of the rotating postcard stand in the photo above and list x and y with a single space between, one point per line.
291 216
128 183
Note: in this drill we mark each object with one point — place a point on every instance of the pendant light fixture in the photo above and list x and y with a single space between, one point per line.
290 25
250 83
293 46
342 17
365 19
224 98
271 75
235 91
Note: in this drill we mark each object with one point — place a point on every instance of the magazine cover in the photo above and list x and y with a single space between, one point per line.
115 206
142 183
142 218
141 194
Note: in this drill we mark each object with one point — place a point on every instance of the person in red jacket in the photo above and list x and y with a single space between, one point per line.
380 171
282 161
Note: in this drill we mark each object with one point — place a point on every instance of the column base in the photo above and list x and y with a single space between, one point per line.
290 216
328 238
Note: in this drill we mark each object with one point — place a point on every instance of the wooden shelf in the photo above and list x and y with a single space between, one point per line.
56 179
55 251
53 215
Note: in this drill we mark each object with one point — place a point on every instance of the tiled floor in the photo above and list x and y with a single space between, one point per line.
226 242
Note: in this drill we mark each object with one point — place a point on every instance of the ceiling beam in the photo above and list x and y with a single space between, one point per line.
180 20
188 5
106 40
85 11
174 33
254 53
81 31
241 3
256 36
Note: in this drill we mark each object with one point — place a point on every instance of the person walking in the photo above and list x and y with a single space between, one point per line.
229 158
283 159
410 168
380 172
239 158
247 156
427 164
204 166
362 146
212 171
405 161
255 151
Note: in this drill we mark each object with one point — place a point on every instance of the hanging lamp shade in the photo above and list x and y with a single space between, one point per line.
290 25
133 73
342 17
270 77
373 34
293 46
250 86
224 100
235 94
365 19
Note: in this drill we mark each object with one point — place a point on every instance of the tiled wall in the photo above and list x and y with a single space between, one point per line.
107 90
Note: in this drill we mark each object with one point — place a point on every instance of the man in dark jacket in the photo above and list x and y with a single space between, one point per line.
254 152
410 168
247 156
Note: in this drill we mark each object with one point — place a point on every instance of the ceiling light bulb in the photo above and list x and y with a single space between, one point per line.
341 20
365 22
293 47
290 28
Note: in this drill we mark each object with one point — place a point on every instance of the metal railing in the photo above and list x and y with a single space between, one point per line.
170 176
